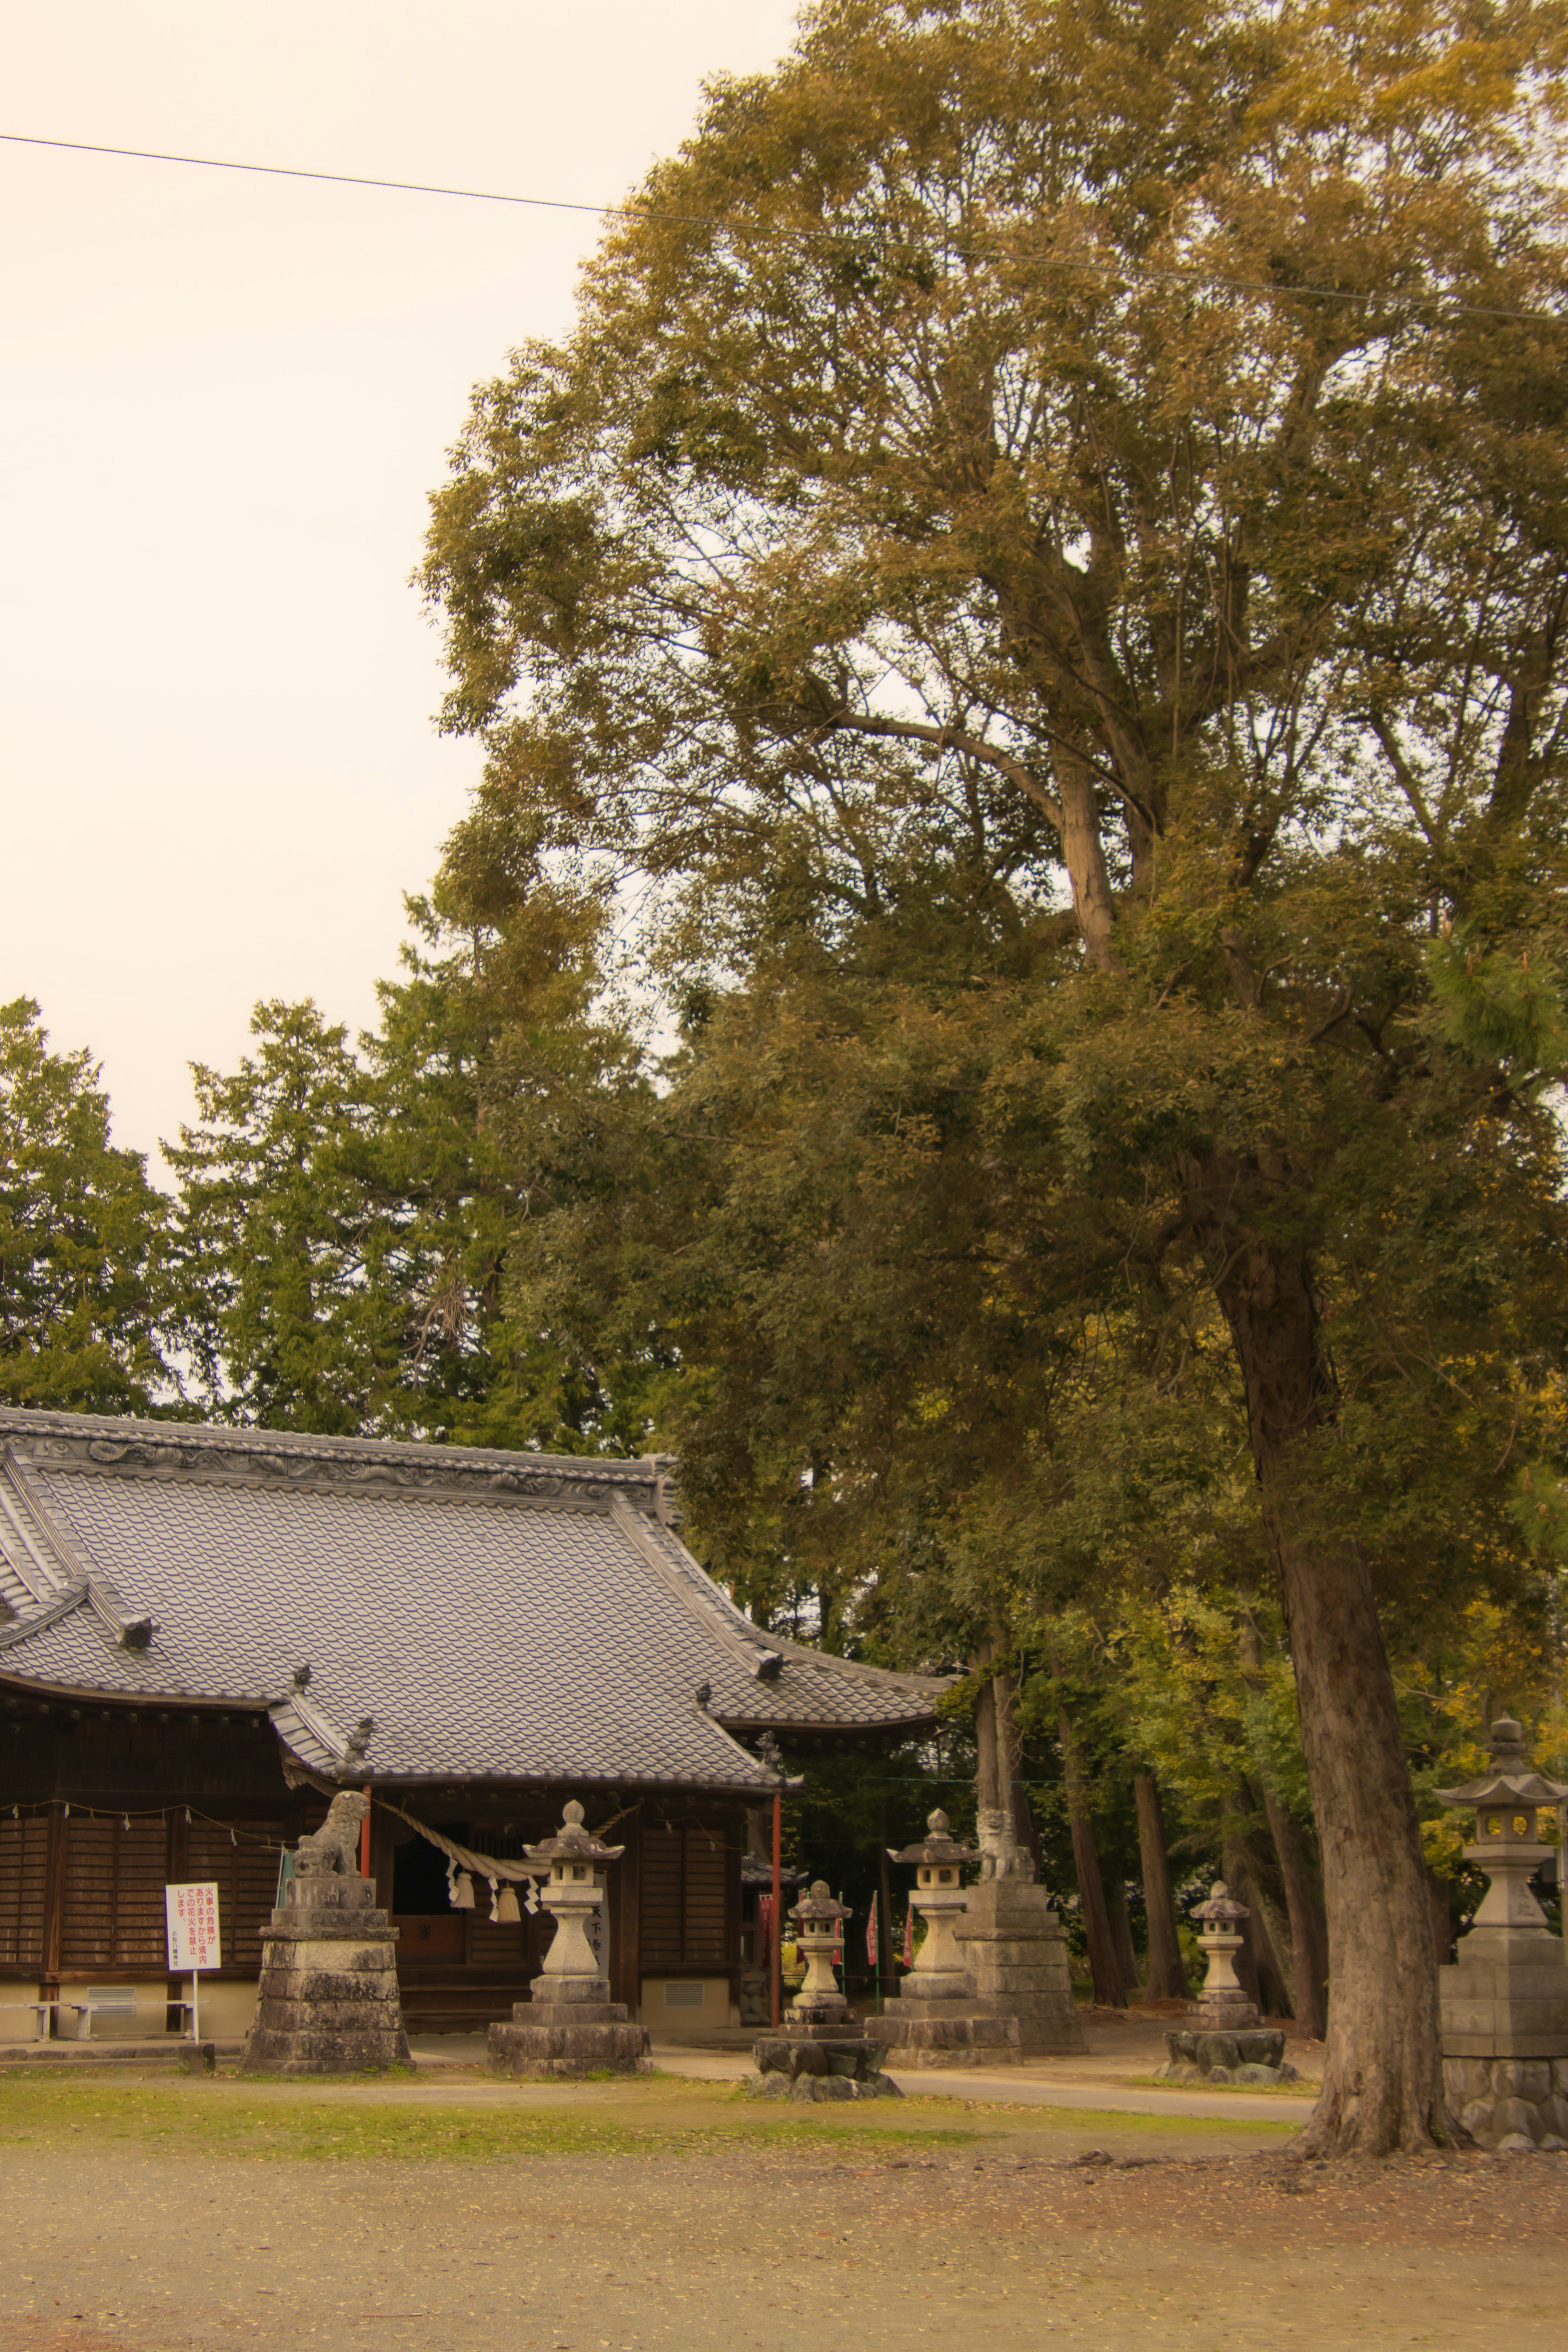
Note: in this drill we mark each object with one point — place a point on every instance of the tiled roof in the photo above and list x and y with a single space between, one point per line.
497 1616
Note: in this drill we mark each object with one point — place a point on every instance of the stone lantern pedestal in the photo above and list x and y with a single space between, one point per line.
570 2026
327 2001
823 2053
1016 1949
1504 2003
938 2017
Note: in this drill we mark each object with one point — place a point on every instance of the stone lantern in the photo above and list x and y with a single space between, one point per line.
1505 2001
823 2051
1222 2005
571 2025
819 1928
1224 2039
939 1972
938 2017
574 1893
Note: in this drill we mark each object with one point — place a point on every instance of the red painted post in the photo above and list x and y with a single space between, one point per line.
777 1967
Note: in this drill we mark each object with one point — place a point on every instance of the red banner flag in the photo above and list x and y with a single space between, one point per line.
910 1936
872 1957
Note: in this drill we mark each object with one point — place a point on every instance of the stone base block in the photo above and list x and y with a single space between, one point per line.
327 2001
569 2012
960 2038
571 2050
809 2089
804 2068
819 2018
1512 2105
1256 2059
331 2049
1016 1953
1212 2016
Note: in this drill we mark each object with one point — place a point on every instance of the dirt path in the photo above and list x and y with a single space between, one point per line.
752 2242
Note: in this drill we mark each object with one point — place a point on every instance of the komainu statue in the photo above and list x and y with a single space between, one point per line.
334 1847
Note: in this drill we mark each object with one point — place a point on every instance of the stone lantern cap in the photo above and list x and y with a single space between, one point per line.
573 1843
1510 1780
1220 1911
937 1848
819 1906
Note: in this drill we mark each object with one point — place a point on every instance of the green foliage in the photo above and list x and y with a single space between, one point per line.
345 1216
81 1237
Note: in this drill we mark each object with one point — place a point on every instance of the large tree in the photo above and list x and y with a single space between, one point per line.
81 1237
1138 434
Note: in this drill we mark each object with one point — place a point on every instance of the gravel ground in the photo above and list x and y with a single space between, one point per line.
1015 2240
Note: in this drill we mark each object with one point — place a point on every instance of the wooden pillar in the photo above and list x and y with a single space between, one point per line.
775 1967
176 1863
54 1901
734 1847
625 1951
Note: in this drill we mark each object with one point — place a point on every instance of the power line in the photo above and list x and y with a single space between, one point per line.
294 171
1145 273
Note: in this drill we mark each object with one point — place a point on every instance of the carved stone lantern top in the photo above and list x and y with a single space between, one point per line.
574 1854
819 1911
1221 1912
939 1857
1505 1798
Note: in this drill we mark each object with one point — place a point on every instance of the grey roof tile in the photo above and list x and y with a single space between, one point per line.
563 1638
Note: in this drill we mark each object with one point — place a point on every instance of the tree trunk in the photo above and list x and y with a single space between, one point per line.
1167 1969
1308 1945
1116 1911
1251 1967
1005 1831
1309 1941
1103 1965
1442 1918
1383 2080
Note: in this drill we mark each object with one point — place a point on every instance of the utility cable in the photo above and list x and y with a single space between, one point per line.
1141 273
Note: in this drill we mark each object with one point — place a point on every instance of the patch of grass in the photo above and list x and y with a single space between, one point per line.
263 2118
1248 2090
370 2121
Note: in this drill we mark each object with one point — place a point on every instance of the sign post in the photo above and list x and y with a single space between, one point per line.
193 1942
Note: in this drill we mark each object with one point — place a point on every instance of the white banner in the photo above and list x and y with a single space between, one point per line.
191 1913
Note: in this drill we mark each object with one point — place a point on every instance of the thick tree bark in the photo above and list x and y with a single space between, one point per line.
1104 1966
1116 1911
1308 1938
1167 1969
1257 1963
1383 2082
1442 1918
1309 1943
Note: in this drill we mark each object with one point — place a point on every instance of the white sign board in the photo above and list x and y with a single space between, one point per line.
191 1913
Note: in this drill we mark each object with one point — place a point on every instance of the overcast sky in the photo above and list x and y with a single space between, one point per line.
223 400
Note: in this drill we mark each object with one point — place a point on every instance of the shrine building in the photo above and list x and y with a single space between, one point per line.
206 1632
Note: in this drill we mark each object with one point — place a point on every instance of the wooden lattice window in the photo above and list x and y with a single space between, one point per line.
111 1912
23 1852
685 1877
